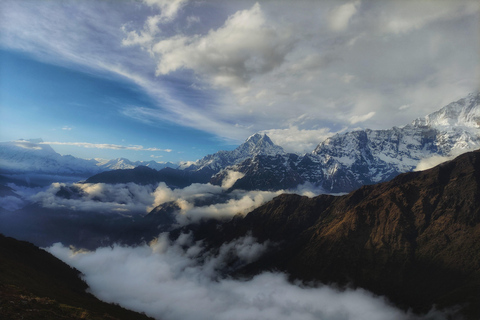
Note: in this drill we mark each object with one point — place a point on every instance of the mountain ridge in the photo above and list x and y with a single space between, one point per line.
415 238
344 162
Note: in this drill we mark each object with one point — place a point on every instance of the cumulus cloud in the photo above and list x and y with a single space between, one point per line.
169 8
234 203
196 202
341 15
104 146
248 68
231 55
180 280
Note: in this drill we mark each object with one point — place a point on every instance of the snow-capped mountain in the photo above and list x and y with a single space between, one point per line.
340 163
257 144
34 157
347 161
122 163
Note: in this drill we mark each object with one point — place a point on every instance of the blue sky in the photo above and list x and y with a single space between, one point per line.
176 80
60 104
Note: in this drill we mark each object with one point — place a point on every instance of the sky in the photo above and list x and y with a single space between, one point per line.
177 80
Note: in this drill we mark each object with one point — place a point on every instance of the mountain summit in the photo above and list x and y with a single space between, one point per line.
462 113
345 162
257 144
414 239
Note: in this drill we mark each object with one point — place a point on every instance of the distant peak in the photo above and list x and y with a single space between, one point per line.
464 112
255 137
259 138
260 143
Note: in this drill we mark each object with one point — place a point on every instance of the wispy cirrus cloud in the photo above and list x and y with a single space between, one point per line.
104 146
249 67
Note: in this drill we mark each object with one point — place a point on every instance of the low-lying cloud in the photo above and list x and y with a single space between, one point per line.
98 197
231 204
196 202
180 280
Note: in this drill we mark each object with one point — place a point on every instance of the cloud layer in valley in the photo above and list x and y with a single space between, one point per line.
132 198
166 280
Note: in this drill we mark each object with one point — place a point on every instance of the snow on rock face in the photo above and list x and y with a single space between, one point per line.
378 155
462 113
255 145
346 161
34 156
122 163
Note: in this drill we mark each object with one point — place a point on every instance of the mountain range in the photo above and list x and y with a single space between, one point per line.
341 163
33 157
344 162
347 161
414 239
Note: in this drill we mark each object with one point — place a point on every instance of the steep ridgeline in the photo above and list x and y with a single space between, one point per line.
36 285
255 145
414 239
199 172
344 162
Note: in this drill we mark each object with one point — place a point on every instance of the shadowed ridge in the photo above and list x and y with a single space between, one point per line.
36 285
414 239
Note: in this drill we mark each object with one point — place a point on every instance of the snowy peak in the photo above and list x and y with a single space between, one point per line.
255 145
123 163
34 156
464 112
259 144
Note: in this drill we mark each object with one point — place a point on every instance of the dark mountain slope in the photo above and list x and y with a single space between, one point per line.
415 239
36 285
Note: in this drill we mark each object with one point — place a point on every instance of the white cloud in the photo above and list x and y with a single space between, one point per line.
231 55
169 8
431 162
296 140
104 146
340 16
401 19
166 280
361 118
231 178
236 202
253 68
127 198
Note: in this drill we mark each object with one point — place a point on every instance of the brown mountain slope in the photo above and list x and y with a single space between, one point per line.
415 239
36 285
